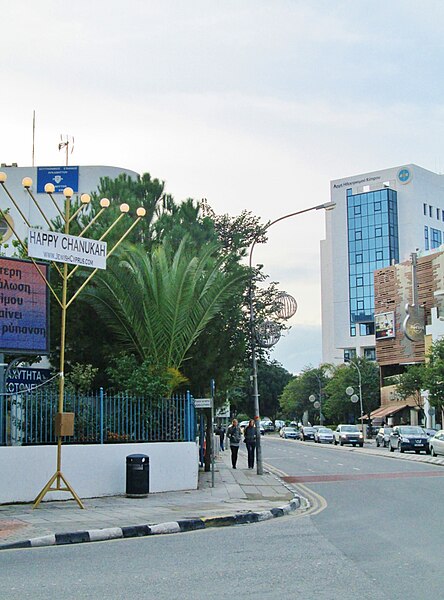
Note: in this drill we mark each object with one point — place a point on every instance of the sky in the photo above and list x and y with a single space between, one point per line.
251 104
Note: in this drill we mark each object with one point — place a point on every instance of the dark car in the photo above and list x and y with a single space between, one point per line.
348 434
383 436
307 433
409 438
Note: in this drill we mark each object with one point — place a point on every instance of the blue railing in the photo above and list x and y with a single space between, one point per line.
100 418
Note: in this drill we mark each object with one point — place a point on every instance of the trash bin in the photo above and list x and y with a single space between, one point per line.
137 475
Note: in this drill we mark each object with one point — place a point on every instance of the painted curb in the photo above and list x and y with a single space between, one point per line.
182 526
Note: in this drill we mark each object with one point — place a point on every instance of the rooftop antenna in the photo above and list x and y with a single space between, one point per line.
33 136
66 143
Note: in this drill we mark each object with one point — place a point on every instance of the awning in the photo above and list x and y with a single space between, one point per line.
385 411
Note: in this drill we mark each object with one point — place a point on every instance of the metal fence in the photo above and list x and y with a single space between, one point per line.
28 418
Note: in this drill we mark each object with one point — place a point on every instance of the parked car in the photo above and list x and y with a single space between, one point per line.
307 433
324 435
409 437
348 434
268 425
289 433
278 424
436 443
243 424
383 436
430 432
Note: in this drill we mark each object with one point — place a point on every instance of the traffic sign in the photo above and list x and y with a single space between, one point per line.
203 402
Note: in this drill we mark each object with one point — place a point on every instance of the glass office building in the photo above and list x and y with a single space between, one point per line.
372 228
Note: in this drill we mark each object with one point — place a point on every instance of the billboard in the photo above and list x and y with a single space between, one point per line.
24 307
61 177
385 326
61 247
25 379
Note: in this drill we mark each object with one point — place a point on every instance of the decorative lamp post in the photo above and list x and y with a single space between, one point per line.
353 397
65 421
286 306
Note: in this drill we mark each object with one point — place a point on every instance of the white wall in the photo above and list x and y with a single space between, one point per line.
94 470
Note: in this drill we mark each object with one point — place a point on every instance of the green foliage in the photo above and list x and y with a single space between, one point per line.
272 379
127 374
434 375
157 306
338 407
80 378
295 401
411 382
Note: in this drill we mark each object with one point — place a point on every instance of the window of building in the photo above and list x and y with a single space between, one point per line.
357 210
370 353
438 213
425 209
359 281
353 331
379 254
359 258
378 232
435 238
426 238
430 211
366 328
377 206
349 354
358 235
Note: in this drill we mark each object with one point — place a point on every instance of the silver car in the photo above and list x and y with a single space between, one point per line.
324 435
383 436
436 443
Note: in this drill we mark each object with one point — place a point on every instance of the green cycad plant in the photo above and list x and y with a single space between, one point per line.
158 304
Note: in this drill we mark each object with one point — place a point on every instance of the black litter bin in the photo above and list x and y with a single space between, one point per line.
137 475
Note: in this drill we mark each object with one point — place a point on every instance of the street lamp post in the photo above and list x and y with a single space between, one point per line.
325 206
353 364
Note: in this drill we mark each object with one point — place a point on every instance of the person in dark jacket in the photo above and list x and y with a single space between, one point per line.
235 436
250 438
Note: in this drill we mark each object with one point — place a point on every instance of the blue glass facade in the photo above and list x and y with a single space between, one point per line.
372 224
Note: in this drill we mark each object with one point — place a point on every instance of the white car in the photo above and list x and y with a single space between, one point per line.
436 443
324 435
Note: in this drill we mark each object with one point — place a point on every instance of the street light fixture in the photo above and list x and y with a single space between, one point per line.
354 398
325 206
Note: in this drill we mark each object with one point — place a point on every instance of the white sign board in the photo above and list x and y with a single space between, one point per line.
60 247
203 402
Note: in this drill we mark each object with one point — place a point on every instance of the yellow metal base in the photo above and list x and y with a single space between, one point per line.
58 477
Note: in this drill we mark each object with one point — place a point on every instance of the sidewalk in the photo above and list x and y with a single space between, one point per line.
235 491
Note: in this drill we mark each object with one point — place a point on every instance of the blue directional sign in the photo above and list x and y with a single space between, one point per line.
61 177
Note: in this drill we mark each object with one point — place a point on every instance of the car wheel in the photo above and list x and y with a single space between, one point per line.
377 443
341 443
427 451
384 444
391 448
335 442
401 449
361 445
417 451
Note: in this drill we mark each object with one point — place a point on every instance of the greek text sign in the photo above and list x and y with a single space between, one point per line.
24 307
25 378
203 403
60 247
61 177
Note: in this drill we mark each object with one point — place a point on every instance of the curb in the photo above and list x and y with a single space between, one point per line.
183 526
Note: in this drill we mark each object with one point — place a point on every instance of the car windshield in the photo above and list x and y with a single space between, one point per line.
308 429
289 429
352 428
324 430
413 430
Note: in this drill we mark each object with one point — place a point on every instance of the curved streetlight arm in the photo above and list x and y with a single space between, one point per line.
325 206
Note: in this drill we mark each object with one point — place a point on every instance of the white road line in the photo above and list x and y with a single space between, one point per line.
325 460
340 464
315 458
356 469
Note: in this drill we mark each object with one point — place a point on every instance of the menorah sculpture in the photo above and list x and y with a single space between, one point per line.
51 245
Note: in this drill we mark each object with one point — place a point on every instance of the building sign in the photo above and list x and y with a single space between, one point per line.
24 307
60 247
385 326
61 177
404 175
203 402
25 379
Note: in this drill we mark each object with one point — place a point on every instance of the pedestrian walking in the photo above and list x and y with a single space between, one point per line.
235 436
221 436
250 438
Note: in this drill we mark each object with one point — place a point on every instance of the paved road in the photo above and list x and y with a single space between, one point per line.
365 544
383 514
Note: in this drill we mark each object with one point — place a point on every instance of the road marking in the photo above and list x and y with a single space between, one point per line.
356 469
315 457
341 464
360 476
325 460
